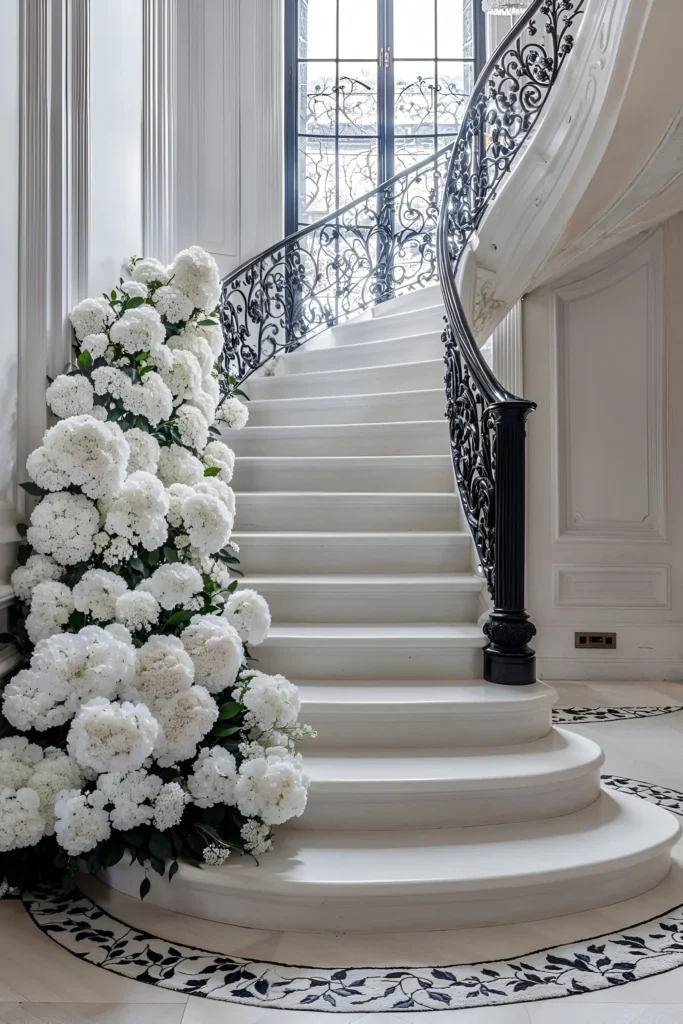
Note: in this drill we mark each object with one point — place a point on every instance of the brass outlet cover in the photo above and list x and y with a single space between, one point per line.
595 641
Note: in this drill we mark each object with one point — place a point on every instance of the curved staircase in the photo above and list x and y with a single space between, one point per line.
437 800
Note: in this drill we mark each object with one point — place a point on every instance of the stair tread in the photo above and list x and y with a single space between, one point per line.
292 428
443 580
321 534
465 633
309 399
308 375
469 695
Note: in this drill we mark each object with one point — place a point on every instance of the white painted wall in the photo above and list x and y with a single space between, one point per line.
603 359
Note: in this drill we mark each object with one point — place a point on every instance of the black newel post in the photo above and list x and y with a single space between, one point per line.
508 658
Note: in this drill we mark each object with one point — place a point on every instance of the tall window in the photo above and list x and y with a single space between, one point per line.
373 86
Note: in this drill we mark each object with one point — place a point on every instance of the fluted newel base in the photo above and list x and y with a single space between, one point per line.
508 659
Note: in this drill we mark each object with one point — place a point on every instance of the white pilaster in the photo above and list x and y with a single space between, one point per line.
507 351
159 111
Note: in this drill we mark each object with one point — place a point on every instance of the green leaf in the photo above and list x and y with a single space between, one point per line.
160 846
170 554
33 489
145 886
134 837
206 323
21 529
84 361
226 730
157 865
153 558
136 564
131 372
212 471
113 295
173 870
229 710
134 302
178 617
242 394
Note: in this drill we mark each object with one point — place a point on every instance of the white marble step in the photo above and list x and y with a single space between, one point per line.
370 380
305 510
373 652
429 437
433 597
451 787
419 880
421 298
417 713
281 553
411 473
393 407
396 325
417 345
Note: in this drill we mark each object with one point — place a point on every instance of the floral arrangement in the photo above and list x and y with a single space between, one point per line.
134 723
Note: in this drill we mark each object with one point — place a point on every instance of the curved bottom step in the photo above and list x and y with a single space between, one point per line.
437 879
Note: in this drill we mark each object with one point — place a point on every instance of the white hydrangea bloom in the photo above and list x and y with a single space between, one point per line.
256 837
70 395
150 271
249 613
207 521
214 854
213 568
190 340
56 772
131 795
184 375
135 289
214 337
18 759
204 403
97 592
216 453
118 552
144 451
214 485
177 493
119 632
216 651
109 380
169 806
272 788
211 387
173 304
30 701
81 822
51 605
96 345
184 721
82 451
164 670
91 316
138 511
21 823
233 413
178 466
272 702
111 737
213 778
193 428
38 569
137 609
173 584
151 399
138 330
63 525
195 273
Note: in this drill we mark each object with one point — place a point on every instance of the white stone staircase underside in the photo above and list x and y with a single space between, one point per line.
437 800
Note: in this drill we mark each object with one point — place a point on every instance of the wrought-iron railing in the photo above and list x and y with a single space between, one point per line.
408 232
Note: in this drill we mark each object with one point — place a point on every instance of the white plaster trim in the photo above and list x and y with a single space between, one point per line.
594 585
609 667
159 111
508 351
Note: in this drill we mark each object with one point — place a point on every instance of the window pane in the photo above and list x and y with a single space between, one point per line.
317 192
414 28
414 97
454 89
454 28
318 28
357 168
317 98
358 99
358 29
411 151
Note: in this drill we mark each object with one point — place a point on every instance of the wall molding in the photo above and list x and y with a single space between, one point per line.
159 112
508 351
612 586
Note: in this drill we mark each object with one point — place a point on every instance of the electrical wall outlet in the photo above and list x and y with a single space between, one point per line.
595 641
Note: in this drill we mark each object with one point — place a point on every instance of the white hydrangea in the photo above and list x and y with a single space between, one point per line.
195 272
204 403
249 613
144 451
178 466
63 525
18 759
215 854
184 375
138 330
173 304
184 721
118 552
91 316
256 837
173 584
169 806
193 428
213 778
164 670
150 271
84 452
56 772
214 337
207 521
272 788
213 568
135 289
211 387
217 454
21 823
138 511
32 701
38 569
51 605
272 702
97 592
112 737
177 493
96 345
70 395
81 821
132 796
151 399
233 413
214 485
109 380
216 651
137 610
189 340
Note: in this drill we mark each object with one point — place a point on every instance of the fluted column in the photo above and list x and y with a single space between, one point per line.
159 112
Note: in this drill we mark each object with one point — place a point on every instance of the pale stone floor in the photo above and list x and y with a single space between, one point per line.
40 983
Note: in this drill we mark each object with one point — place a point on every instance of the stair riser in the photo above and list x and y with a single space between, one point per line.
388 327
347 512
362 475
391 408
429 438
418 727
306 555
371 352
421 298
409 805
371 381
349 661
